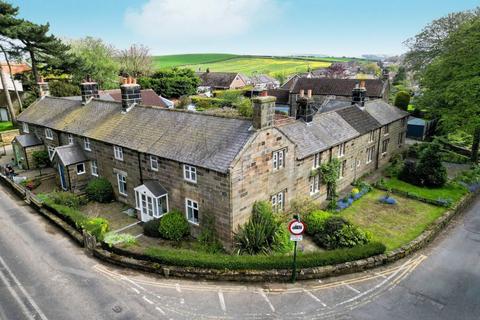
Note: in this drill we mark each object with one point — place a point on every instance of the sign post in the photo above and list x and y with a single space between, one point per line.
296 228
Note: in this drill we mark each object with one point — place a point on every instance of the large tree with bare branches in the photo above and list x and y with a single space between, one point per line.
136 61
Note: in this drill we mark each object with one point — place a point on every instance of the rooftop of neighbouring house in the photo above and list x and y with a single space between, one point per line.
336 87
217 79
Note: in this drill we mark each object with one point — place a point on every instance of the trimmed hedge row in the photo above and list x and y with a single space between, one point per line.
188 258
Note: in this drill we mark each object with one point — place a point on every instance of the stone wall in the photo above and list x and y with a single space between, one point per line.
29 153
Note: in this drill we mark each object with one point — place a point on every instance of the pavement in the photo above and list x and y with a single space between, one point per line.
44 275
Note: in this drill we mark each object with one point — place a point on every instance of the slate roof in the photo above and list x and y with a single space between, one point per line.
337 87
149 97
155 187
70 154
326 130
216 79
383 112
28 140
359 119
416 121
282 95
198 139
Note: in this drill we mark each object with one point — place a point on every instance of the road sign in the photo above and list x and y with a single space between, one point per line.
296 237
296 227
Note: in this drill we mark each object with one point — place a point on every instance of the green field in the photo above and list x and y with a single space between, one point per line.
245 64
176 60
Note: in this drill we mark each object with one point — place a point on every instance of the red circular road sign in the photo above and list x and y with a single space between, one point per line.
296 227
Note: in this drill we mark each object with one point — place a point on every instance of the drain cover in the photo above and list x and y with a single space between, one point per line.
117 309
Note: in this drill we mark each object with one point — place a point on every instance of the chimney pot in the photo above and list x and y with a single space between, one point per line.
309 93
302 93
88 89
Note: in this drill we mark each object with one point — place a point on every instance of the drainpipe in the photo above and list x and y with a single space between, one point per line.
140 167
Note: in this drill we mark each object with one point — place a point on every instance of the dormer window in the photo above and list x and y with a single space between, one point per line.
48 134
118 153
26 129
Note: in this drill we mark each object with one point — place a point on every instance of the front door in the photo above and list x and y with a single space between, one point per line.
61 172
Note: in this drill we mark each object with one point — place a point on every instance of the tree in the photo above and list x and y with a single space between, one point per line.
430 171
430 42
450 84
97 60
41 159
171 83
136 61
63 89
402 100
400 76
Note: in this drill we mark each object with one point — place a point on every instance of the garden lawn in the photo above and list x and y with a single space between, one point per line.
450 191
6 125
393 225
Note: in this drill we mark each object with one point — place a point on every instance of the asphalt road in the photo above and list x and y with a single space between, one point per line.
44 275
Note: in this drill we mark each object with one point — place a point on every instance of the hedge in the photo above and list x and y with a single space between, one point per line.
189 258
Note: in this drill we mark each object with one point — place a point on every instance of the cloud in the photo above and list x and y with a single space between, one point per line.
199 19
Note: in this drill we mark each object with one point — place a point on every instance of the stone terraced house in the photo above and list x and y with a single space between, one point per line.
158 159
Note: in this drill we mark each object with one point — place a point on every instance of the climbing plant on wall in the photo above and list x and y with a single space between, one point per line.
330 172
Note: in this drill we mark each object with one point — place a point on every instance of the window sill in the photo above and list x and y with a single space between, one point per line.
94 175
194 223
123 194
80 173
190 181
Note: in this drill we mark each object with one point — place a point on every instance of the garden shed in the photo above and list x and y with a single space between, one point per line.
418 128
24 146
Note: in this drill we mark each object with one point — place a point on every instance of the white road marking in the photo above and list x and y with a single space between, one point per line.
24 292
177 286
160 310
134 283
314 297
182 301
146 299
222 301
380 275
264 296
352 288
126 227
14 294
135 289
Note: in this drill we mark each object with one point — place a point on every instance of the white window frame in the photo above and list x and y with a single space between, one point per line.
48 134
386 129
70 138
370 153
278 159
94 168
80 172
193 205
341 149
118 153
278 201
122 180
142 202
371 137
314 184
317 160
86 144
51 152
25 127
190 173
154 163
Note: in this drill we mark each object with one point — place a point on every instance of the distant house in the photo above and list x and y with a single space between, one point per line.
263 82
3 102
149 97
210 81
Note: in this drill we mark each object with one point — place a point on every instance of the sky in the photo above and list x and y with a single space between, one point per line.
267 27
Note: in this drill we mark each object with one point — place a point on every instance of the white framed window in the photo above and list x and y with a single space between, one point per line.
122 184
278 201
343 168
314 184
385 146
154 163
26 129
94 168
48 134
86 144
370 153
80 168
386 129
190 173
400 138
147 204
317 160
341 149
191 209
118 153
278 159
51 151
70 138
371 136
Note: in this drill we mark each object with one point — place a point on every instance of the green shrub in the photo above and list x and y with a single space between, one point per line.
430 171
402 100
208 237
41 158
74 215
126 239
340 233
97 227
395 167
100 190
315 221
190 258
151 228
173 226
244 107
67 199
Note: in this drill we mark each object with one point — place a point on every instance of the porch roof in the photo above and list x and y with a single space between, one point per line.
70 154
155 188
28 140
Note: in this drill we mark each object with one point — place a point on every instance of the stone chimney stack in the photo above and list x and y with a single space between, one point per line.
359 94
43 89
88 89
263 112
131 94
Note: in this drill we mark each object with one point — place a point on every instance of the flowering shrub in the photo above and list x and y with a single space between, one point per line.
387 200
357 192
